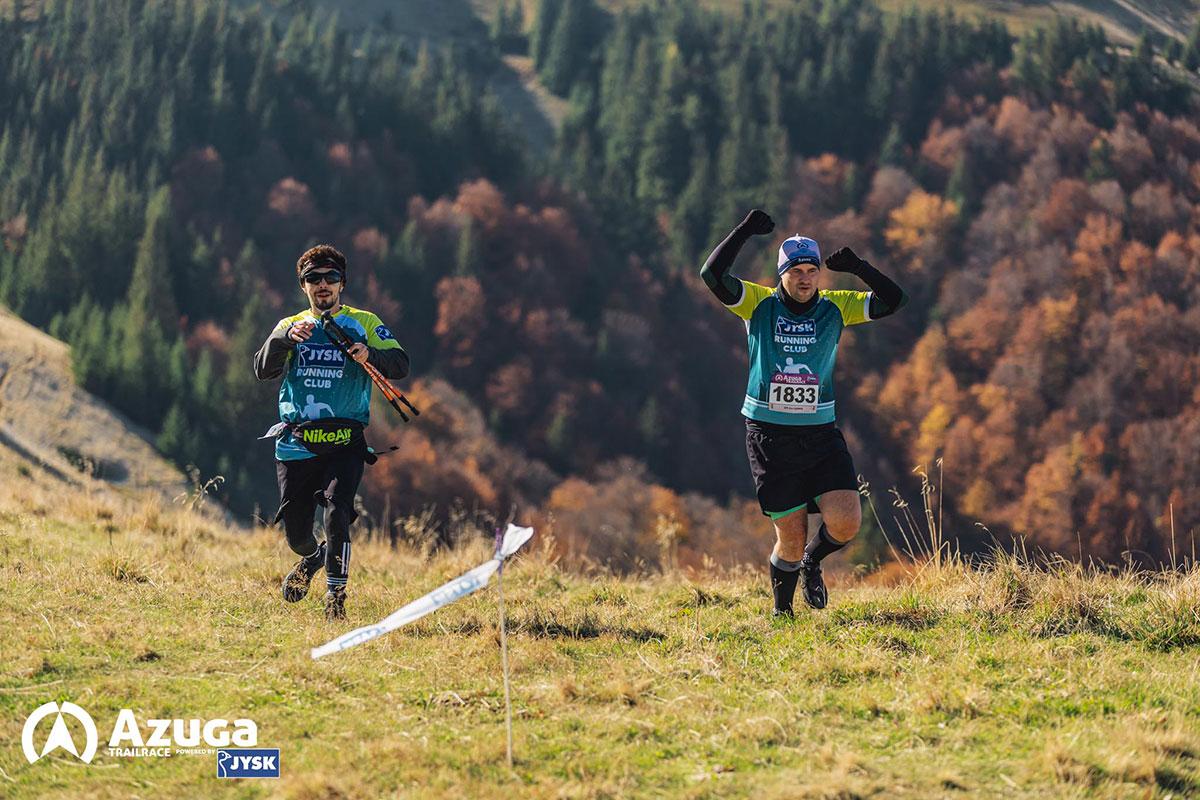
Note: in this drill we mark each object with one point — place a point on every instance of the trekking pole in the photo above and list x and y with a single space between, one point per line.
344 342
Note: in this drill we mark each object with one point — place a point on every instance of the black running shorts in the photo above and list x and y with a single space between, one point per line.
794 464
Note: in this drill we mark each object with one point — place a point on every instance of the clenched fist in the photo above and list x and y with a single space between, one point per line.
843 260
757 222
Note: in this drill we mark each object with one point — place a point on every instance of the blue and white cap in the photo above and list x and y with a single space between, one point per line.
798 250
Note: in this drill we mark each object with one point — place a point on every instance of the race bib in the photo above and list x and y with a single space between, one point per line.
794 394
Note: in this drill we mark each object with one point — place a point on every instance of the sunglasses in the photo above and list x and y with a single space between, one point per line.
328 277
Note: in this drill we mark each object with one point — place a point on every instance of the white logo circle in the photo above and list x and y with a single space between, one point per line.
60 736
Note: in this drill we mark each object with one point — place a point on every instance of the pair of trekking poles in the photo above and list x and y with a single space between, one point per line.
344 342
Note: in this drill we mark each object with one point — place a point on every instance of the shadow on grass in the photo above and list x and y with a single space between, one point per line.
914 619
541 625
1171 780
701 598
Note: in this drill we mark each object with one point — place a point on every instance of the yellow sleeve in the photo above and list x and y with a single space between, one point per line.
287 322
752 295
855 306
378 335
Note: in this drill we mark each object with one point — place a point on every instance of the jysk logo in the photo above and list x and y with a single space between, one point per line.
259 763
383 333
320 355
802 327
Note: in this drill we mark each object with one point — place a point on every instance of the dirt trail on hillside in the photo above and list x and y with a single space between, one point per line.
1124 20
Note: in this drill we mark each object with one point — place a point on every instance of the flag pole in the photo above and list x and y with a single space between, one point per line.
504 654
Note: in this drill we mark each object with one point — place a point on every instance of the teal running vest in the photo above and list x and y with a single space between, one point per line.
792 355
320 381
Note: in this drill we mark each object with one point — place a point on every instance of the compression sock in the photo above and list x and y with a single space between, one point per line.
784 575
820 546
337 566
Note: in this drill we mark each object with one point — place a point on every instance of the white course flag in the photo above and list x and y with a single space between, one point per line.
461 586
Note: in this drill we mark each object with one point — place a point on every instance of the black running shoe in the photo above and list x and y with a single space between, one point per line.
335 604
812 584
295 585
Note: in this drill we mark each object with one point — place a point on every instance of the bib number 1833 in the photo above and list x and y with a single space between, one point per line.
794 394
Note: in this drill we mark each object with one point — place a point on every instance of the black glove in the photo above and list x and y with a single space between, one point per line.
844 260
757 222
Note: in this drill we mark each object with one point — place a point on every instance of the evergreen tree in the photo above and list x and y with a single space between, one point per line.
568 46
176 439
893 151
243 398
664 160
692 219
1191 53
467 254
544 20
151 294
163 144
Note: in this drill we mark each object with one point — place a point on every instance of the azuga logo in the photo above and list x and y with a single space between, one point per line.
383 333
260 763
60 736
320 355
802 327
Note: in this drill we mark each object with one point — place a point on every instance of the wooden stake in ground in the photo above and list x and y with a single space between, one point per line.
504 664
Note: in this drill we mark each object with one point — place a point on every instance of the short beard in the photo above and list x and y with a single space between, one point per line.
325 305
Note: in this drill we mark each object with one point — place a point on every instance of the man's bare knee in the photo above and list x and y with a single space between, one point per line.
843 529
791 534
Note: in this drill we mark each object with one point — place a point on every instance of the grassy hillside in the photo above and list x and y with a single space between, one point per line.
56 425
1123 20
1002 682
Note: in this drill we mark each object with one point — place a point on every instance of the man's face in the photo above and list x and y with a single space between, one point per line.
323 294
800 281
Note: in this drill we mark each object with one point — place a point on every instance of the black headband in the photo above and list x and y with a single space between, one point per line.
324 263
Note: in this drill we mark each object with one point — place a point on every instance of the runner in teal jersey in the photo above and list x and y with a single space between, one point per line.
798 457
324 405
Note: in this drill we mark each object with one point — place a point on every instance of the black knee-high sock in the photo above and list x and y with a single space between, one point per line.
337 558
821 545
345 475
784 575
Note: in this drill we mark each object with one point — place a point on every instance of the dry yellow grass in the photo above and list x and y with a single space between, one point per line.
1004 681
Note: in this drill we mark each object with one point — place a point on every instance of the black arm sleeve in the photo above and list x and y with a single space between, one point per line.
715 271
393 362
886 296
271 358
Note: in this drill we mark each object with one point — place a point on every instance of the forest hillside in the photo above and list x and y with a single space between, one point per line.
164 162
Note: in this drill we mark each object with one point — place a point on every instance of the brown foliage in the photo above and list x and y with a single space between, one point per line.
890 187
1065 208
1063 393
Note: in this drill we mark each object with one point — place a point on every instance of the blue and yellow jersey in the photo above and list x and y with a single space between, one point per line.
319 381
792 355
